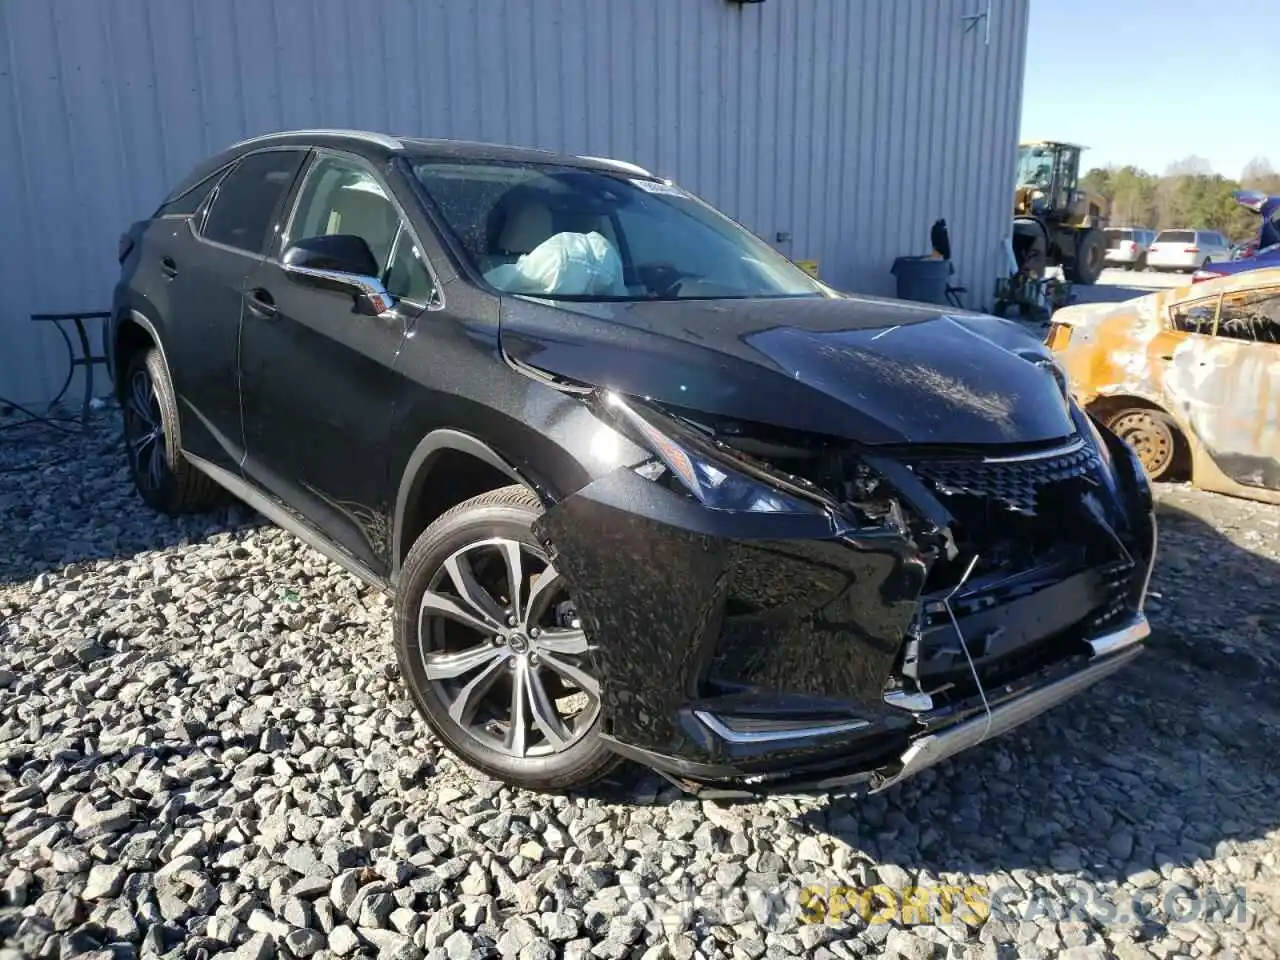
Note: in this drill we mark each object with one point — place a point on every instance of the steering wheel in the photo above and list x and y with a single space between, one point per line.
662 279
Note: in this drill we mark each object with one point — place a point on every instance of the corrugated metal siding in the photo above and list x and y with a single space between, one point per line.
850 124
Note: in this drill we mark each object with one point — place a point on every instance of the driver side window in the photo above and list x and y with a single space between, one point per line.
342 197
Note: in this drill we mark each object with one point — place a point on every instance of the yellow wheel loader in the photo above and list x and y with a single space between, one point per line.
1055 223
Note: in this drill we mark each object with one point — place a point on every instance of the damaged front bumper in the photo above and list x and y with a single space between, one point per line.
749 653
943 733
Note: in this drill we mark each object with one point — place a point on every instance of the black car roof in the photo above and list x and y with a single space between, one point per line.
382 147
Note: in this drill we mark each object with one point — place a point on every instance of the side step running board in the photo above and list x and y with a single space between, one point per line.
243 490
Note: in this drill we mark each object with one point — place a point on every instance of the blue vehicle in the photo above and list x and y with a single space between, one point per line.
1265 250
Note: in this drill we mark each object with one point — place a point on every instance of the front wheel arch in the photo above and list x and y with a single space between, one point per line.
468 467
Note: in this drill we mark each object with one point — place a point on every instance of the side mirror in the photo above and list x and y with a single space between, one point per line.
339 261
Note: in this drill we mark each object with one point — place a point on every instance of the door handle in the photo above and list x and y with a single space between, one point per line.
1165 356
261 303
168 267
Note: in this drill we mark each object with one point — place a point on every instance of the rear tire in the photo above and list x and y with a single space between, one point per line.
508 683
1153 437
161 474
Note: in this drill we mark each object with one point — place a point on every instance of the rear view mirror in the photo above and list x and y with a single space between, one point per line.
339 261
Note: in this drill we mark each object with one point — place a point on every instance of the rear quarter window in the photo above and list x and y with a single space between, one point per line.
1194 316
187 202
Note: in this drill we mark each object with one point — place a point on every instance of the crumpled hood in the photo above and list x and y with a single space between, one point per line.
871 370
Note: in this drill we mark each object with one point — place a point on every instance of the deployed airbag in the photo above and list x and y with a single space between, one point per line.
567 264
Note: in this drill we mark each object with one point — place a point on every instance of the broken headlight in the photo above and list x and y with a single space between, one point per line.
709 473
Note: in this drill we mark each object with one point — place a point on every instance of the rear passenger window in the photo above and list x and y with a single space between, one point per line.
1253 316
245 204
1195 316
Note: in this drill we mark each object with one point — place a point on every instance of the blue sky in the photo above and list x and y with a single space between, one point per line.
1149 82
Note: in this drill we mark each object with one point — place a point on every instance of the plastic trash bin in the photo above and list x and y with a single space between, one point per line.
922 278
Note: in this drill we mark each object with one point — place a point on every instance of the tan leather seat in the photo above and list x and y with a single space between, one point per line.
527 225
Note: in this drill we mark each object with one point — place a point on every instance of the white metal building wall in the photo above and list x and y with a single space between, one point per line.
849 124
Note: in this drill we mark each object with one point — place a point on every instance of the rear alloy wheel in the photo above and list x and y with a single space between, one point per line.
1151 436
144 431
493 651
161 474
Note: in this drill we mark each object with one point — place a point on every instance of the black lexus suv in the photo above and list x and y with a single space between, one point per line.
640 486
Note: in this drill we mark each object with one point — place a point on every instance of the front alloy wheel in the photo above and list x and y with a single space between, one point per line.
492 648
503 649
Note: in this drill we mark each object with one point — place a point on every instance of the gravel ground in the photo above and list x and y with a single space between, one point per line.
201 754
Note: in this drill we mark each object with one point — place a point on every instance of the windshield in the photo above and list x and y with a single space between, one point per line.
574 234
1035 167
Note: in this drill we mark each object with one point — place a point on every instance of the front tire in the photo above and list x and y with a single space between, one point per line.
1090 254
161 474
492 650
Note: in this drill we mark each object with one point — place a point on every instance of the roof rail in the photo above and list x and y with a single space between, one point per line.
621 165
381 139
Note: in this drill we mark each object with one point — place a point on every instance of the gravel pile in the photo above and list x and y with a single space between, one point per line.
204 752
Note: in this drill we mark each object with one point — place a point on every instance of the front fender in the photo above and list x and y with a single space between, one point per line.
418 469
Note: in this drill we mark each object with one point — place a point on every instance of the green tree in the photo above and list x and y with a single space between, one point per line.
1199 201
1098 180
1188 196
1133 201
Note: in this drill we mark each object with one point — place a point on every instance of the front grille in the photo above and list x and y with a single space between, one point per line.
1016 485
1033 523
1018 513
1117 582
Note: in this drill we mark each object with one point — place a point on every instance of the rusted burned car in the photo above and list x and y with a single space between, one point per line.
1190 377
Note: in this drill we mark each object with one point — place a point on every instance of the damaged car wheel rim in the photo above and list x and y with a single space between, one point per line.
144 431
504 652
1149 437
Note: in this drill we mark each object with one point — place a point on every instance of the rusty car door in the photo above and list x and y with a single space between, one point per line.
1228 387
